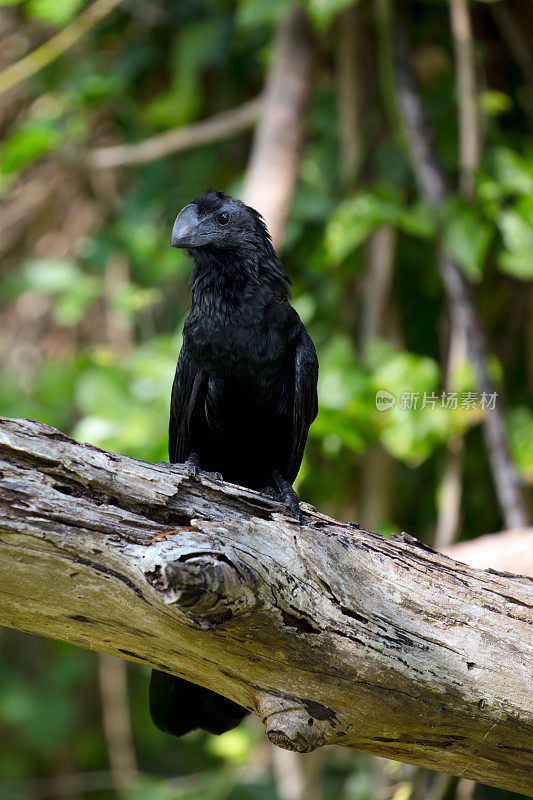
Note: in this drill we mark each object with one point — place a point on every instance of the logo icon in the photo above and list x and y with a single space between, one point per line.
384 400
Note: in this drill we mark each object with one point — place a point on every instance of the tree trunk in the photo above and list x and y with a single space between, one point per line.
273 167
331 634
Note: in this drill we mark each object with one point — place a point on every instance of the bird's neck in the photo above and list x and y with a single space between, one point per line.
229 279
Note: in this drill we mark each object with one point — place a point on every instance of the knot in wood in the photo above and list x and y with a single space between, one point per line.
205 587
295 730
291 724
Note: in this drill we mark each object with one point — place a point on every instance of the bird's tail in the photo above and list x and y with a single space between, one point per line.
177 707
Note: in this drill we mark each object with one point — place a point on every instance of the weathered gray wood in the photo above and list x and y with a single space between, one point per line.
332 635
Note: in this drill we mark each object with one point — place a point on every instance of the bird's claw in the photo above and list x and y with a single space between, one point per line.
192 465
295 509
214 476
271 493
290 499
288 495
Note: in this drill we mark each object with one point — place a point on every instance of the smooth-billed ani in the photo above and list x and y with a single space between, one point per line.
244 393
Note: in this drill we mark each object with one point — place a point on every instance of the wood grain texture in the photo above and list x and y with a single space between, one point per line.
331 634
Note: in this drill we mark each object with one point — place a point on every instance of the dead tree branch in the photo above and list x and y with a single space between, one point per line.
468 117
330 634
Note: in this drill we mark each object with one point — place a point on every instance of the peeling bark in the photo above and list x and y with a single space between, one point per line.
331 634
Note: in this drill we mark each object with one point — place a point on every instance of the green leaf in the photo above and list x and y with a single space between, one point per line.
32 139
520 427
418 220
52 11
124 399
340 379
494 103
50 275
93 89
355 219
74 290
323 12
256 13
517 233
72 305
467 236
336 429
513 172
409 432
197 46
232 746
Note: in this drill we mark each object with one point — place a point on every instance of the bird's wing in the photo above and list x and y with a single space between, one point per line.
305 398
184 405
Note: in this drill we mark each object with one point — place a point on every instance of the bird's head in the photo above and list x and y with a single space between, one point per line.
215 220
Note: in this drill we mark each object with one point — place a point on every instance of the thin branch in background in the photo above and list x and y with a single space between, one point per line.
273 166
119 325
469 139
440 787
465 789
383 12
449 495
514 324
463 313
44 55
113 677
380 257
221 126
519 47
148 12
297 778
375 488
350 93
450 491
377 481
529 342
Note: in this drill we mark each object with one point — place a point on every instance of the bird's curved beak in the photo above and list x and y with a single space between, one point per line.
185 232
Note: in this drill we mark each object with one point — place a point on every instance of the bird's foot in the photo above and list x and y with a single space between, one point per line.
271 493
293 505
214 476
192 465
288 495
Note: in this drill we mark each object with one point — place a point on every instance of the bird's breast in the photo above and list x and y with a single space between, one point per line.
231 343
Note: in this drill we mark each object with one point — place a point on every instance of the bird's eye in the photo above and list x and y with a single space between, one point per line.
223 218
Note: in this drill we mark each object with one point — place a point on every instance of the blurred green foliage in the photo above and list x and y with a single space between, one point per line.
97 357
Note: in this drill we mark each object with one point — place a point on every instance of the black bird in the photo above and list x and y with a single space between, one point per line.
244 393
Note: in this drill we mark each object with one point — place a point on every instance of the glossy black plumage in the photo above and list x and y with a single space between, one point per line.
244 393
